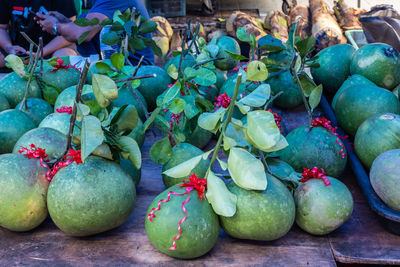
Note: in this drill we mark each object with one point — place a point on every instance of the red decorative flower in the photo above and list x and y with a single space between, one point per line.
317 173
222 101
278 120
58 64
200 185
64 109
34 152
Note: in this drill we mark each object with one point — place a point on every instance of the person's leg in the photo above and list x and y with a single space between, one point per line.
2 61
66 51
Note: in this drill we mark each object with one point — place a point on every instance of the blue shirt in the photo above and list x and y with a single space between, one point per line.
107 8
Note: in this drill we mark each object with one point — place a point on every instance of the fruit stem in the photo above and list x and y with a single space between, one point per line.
294 72
272 99
72 121
207 61
141 104
264 161
24 105
138 66
226 122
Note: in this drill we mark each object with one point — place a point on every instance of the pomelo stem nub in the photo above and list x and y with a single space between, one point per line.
226 122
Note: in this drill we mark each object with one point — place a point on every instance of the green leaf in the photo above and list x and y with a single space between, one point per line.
305 46
271 44
236 56
148 27
253 40
151 119
103 68
262 129
315 97
242 35
50 94
257 71
221 199
177 106
137 44
104 89
190 108
242 108
161 151
171 93
94 107
205 77
210 120
246 170
110 38
292 34
117 114
91 135
258 97
135 83
16 65
228 142
237 135
189 72
93 21
103 151
203 104
281 144
128 28
128 144
307 84
222 164
82 38
118 61
82 110
172 72
153 45
82 22
183 169
106 22
213 49
128 119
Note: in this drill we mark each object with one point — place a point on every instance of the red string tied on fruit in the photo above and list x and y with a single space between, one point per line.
222 101
35 152
72 156
64 109
58 64
194 183
278 120
323 122
317 173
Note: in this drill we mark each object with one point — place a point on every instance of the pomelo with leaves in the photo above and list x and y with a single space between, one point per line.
67 97
59 122
13 87
226 43
125 97
283 82
61 78
90 198
376 135
263 215
37 109
187 61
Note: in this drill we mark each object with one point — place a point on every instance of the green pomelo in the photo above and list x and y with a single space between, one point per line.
261 215
13 124
379 63
385 177
188 61
226 43
4 105
291 96
200 137
23 190
134 173
200 230
151 88
67 97
281 58
53 141
180 154
221 78
279 168
37 110
13 88
62 78
353 80
59 122
90 198
376 135
358 103
315 147
334 67
321 209
138 133
209 92
125 97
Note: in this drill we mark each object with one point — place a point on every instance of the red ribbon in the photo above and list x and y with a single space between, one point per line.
194 183
36 152
315 172
323 122
222 101
64 109
278 120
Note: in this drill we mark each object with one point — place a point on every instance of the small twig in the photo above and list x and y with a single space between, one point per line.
141 104
207 61
138 66
136 78
182 53
272 99
30 56
226 122
264 161
28 39
193 38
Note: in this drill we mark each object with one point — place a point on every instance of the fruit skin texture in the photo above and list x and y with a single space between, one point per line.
358 103
150 88
314 148
376 135
334 67
179 155
354 80
53 141
128 167
231 45
321 209
4 105
13 88
379 63
261 215
91 198
62 78
385 177
200 230
291 96
125 96
199 137
13 124
37 110
59 122
67 97
23 190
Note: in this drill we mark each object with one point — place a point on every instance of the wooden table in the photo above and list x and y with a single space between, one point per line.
361 240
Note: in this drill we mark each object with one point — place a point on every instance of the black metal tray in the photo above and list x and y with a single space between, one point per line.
390 218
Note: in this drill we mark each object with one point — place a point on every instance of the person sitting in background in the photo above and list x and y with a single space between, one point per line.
18 15
58 24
